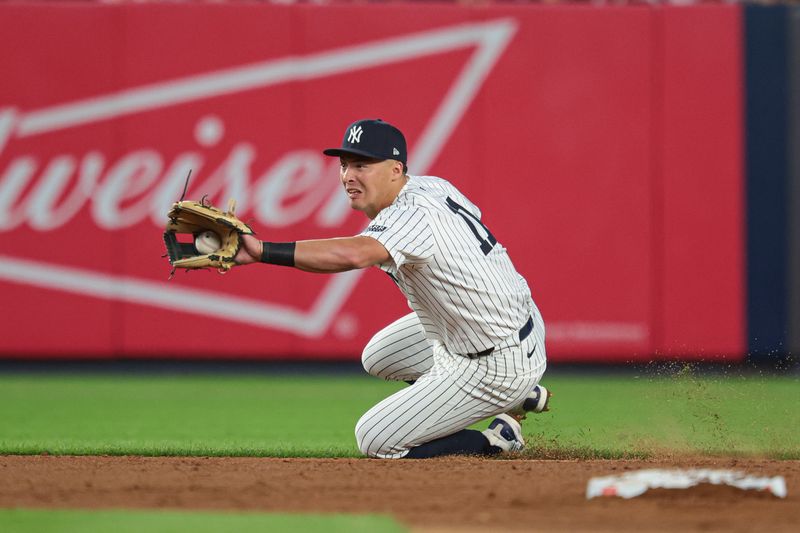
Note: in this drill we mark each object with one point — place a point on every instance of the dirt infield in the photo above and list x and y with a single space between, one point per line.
454 494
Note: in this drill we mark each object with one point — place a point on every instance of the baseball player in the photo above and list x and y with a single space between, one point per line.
472 348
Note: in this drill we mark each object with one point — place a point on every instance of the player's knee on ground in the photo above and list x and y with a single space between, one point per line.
373 444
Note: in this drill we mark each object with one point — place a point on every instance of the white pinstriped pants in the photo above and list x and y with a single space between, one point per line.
451 391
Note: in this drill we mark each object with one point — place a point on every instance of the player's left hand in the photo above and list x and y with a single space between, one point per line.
250 250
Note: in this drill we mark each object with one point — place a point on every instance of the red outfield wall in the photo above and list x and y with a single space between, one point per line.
604 146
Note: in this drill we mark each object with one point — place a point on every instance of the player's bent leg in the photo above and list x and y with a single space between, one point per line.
454 394
399 351
400 424
414 423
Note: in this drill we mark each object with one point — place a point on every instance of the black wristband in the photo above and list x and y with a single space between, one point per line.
278 253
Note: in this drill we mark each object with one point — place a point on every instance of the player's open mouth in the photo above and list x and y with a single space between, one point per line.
353 193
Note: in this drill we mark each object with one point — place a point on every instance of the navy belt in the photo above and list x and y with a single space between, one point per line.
524 332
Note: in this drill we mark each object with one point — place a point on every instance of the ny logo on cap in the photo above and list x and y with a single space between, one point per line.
355 134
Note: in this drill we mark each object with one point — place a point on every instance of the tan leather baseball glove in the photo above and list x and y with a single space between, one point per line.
187 223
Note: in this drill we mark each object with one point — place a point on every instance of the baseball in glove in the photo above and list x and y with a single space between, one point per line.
187 230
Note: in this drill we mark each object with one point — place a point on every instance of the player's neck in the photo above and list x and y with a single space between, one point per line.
394 192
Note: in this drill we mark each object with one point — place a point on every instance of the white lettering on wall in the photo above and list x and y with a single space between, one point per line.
142 184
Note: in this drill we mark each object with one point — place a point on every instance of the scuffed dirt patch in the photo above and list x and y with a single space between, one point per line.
452 494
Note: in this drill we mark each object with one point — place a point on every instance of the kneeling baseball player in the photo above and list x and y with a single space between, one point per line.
474 345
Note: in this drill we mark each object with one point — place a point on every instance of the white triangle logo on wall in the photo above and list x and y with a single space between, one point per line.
489 40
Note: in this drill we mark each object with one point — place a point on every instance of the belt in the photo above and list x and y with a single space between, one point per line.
523 334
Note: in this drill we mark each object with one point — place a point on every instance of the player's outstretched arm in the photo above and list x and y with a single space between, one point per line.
339 255
324 255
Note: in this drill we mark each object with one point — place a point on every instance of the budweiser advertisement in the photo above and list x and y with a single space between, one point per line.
576 130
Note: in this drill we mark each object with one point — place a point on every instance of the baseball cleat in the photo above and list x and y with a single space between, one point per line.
505 433
537 401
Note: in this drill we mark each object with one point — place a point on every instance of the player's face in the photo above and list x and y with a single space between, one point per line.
370 184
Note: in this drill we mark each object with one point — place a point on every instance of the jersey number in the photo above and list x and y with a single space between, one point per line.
486 244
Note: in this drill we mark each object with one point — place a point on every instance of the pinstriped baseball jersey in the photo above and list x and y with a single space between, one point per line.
456 276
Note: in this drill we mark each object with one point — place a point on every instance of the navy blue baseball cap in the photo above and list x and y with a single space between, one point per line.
372 138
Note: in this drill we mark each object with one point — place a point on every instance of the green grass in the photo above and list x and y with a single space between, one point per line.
25 520
642 416
314 416
291 416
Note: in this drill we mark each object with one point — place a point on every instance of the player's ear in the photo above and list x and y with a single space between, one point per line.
397 169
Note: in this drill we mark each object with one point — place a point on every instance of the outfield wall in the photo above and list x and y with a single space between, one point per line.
604 145
772 61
